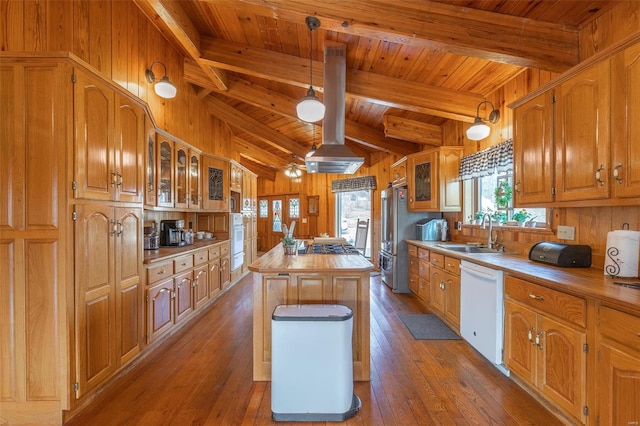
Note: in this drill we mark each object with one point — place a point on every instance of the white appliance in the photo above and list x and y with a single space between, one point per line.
482 311
312 363
398 224
237 241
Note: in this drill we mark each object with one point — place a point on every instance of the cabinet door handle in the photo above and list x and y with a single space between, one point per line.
516 186
114 179
536 297
539 340
114 227
530 334
616 173
120 227
599 175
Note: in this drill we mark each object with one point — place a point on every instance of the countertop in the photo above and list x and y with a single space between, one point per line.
163 253
276 261
586 282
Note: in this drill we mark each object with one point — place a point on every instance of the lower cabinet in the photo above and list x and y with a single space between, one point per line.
108 271
618 367
444 284
545 343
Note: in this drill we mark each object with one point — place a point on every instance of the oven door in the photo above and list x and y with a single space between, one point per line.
386 268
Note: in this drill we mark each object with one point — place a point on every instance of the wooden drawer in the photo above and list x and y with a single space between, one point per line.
452 265
413 265
565 306
423 254
183 263
224 249
413 250
201 257
423 269
620 326
437 259
214 252
157 272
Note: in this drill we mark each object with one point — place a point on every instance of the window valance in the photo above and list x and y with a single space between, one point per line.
497 158
354 184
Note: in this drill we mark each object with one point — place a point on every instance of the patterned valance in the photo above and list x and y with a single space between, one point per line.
354 184
497 158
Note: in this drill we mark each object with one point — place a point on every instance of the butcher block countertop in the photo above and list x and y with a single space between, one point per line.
165 253
586 282
276 261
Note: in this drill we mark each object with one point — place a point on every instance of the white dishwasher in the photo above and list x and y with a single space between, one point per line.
482 310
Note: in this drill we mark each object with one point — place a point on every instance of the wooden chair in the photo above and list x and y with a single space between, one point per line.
362 231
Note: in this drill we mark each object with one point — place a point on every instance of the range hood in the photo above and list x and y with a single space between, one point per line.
333 156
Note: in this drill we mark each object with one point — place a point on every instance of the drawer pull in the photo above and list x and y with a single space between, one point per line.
536 297
183 264
162 272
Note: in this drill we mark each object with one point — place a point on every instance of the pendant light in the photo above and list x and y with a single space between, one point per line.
310 109
479 129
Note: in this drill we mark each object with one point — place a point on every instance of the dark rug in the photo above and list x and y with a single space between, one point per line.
427 327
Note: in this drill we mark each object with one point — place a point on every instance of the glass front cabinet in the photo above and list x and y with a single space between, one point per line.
433 180
165 172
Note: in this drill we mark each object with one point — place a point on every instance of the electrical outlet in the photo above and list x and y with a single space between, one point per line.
566 232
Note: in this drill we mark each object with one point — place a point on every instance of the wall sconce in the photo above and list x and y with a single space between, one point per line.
479 129
310 109
163 88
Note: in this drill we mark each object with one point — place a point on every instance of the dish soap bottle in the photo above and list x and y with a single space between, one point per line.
445 229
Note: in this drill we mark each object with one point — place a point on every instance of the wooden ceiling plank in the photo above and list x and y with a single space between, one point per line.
411 130
262 63
261 131
459 30
366 136
259 169
184 32
257 154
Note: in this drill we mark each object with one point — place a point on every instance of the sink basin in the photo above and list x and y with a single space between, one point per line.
465 248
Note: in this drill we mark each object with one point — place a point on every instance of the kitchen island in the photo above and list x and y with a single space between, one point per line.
310 278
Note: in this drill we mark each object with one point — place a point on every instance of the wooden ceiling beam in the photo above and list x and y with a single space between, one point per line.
260 97
170 15
259 169
257 154
456 29
235 118
412 130
293 70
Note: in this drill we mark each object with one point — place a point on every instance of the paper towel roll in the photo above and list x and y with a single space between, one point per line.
623 250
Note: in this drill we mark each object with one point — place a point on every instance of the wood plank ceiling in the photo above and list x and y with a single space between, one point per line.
411 64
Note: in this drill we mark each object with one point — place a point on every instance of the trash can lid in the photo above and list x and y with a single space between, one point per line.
312 312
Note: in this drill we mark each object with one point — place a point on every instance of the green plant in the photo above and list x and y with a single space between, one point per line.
288 241
499 217
503 193
478 215
521 216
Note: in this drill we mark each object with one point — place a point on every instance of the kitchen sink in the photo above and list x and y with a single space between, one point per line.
466 248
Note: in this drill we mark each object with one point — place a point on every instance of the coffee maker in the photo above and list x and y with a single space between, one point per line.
171 233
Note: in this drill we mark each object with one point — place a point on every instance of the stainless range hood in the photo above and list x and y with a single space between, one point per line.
333 156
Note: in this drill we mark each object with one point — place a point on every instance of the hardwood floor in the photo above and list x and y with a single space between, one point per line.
203 376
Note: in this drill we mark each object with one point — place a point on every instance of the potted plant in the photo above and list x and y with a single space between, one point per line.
288 242
503 194
499 217
521 217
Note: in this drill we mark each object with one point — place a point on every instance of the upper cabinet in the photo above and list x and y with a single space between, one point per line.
236 177
399 172
432 180
574 140
625 123
215 183
165 170
150 194
178 174
109 141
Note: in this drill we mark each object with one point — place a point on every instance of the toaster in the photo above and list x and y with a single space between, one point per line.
563 255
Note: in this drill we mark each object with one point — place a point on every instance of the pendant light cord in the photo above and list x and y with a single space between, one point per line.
310 57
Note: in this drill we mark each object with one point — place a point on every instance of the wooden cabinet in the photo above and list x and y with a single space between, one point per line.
574 142
150 159
194 196
109 142
181 153
625 123
534 171
432 180
178 174
108 268
399 172
236 173
545 343
215 183
618 367
581 135
444 283
160 313
182 287
165 169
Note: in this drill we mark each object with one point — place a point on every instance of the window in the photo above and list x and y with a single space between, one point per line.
264 209
294 208
352 206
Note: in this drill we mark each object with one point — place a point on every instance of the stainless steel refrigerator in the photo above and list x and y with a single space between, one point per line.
398 225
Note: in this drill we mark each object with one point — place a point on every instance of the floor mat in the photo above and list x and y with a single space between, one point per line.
427 327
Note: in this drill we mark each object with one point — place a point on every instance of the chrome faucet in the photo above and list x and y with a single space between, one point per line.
490 241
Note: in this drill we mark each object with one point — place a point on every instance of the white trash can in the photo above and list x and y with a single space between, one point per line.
311 363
